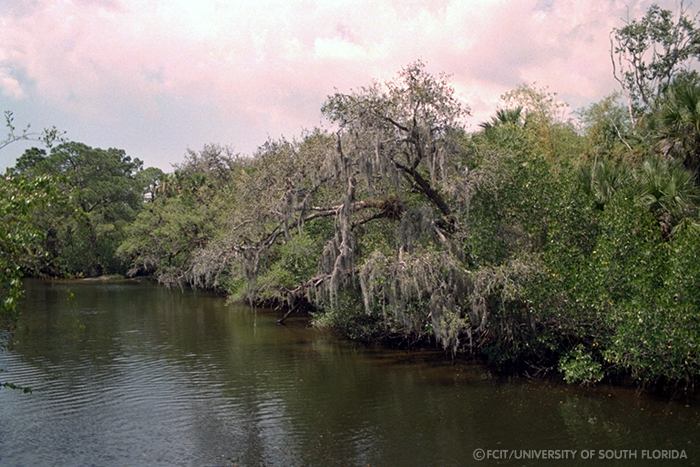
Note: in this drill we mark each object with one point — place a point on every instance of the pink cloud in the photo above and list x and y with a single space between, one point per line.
9 85
264 67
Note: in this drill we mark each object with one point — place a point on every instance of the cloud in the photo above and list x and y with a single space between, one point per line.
161 75
9 85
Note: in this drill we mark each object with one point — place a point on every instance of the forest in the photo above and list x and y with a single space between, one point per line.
548 242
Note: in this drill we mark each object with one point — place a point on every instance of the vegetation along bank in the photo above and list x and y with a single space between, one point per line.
545 242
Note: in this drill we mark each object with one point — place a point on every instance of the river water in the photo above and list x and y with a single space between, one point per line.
135 374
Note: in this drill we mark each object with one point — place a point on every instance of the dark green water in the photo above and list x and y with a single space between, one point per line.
135 374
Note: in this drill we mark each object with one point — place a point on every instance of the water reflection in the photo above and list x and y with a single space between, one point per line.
133 374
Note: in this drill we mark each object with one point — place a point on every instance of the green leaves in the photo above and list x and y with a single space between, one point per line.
99 194
20 240
668 191
675 122
578 366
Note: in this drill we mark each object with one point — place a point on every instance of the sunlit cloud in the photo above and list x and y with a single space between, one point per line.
10 86
155 77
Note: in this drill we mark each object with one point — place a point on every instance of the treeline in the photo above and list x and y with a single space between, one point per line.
542 243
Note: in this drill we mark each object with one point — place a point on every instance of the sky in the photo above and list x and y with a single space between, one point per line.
158 77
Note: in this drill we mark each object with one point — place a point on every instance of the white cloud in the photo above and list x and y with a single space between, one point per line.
10 86
335 48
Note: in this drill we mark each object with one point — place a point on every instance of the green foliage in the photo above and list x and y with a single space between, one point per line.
504 117
628 254
657 328
602 233
602 179
676 122
295 262
668 191
150 179
609 134
546 125
181 216
100 195
161 238
578 366
20 240
348 318
514 203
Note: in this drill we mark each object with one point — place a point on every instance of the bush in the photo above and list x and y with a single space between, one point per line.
578 366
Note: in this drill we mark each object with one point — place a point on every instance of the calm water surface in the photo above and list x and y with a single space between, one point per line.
135 374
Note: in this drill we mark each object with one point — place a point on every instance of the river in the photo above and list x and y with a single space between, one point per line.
130 373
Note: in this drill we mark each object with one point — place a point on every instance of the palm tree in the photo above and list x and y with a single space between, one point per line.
669 191
504 117
678 122
602 179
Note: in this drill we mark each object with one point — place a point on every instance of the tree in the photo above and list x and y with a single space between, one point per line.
669 191
101 194
608 130
401 132
184 211
20 241
306 216
545 120
151 180
48 136
504 117
647 53
676 122
602 179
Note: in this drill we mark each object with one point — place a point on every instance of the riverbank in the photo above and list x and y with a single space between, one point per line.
370 338
369 335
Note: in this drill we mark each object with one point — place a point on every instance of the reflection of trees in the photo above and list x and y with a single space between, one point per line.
171 375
